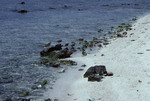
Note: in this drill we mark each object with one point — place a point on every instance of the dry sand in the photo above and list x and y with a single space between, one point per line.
128 58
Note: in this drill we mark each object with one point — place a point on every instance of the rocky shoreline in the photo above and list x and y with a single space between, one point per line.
55 55
57 52
128 56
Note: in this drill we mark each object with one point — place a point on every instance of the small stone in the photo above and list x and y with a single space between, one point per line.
148 50
102 54
66 44
34 87
22 3
83 65
119 35
99 45
22 11
48 99
139 81
55 65
124 33
48 44
80 69
80 39
52 8
131 33
59 41
140 53
105 43
44 82
110 74
69 94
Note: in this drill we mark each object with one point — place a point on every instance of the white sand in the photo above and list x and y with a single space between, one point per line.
131 80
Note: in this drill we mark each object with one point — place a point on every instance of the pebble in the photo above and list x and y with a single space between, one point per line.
83 65
110 74
91 99
80 69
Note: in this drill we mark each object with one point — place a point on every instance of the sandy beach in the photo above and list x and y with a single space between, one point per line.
128 59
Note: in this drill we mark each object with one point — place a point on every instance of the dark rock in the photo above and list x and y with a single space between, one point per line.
102 55
48 44
44 82
65 6
105 5
84 53
132 40
73 44
120 35
83 65
22 11
22 3
136 4
48 99
52 8
65 54
124 33
105 43
56 65
80 9
59 41
47 50
68 62
66 44
98 69
81 39
99 45
34 87
95 77
100 30
109 74
80 69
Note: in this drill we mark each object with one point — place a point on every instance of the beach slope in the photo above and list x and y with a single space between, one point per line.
129 60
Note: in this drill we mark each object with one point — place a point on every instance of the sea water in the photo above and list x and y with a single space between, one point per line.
22 36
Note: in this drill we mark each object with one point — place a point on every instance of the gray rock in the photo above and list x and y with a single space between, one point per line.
95 77
98 69
110 74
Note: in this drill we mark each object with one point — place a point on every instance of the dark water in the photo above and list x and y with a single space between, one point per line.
22 35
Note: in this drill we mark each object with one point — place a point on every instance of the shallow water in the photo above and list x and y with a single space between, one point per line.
22 36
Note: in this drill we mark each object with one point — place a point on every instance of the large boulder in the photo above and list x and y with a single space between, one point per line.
47 50
98 69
